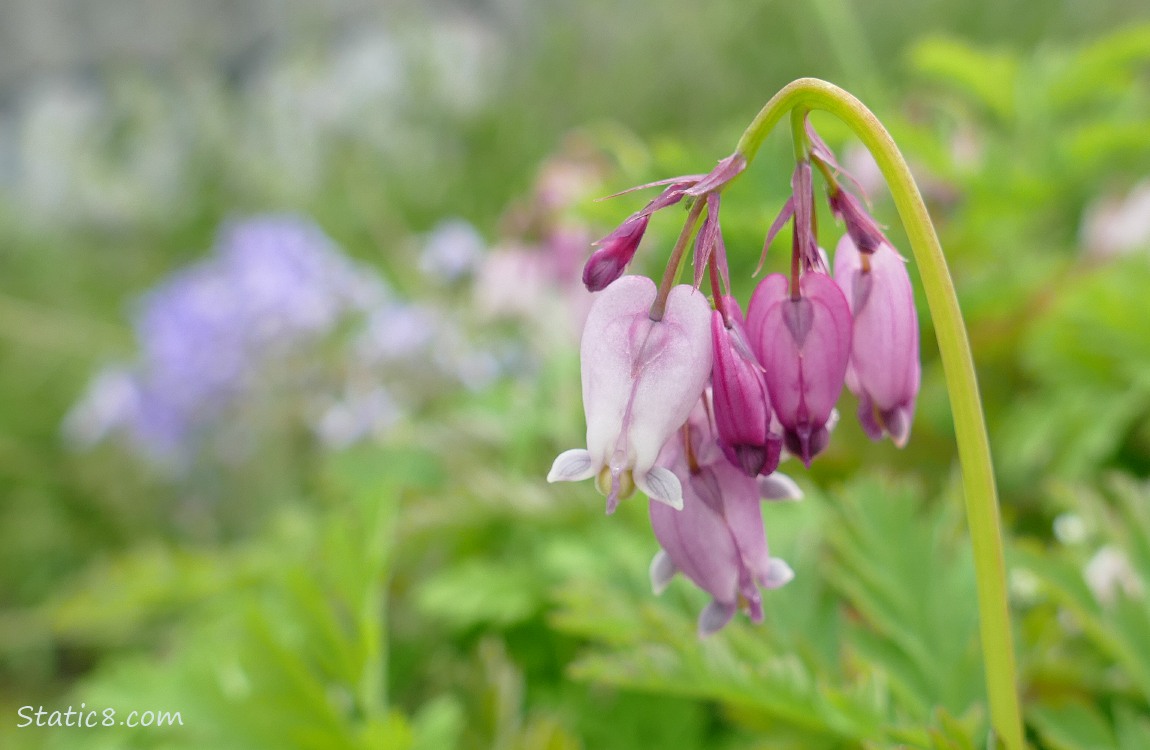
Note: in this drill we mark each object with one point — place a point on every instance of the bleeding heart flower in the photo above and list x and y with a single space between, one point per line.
717 540
884 367
641 378
804 343
742 404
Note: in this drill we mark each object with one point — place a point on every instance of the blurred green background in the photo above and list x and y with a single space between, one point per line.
347 541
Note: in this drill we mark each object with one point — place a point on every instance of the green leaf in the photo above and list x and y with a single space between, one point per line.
987 78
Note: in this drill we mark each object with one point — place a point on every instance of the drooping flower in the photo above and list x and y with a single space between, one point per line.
640 380
804 344
884 370
741 401
717 539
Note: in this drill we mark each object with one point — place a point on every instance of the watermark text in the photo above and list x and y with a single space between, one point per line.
84 717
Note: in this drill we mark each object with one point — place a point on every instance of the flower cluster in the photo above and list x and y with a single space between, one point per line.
695 403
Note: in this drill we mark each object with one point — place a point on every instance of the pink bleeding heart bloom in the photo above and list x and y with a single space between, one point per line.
741 402
804 345
641 379
884 369
717 539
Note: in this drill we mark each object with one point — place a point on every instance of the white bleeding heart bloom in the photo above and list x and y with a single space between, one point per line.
641 378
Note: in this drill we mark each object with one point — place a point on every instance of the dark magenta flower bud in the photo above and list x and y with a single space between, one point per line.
741 401
615 251
860 225
804 345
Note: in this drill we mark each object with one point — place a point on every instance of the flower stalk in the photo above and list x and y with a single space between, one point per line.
979 489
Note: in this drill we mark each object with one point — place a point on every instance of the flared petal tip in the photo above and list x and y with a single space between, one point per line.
662 485
779 574
662 571
878 423
715 617
897 423
776 487
574 465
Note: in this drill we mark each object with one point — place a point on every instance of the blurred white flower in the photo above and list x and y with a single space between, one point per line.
1069 528
1117 225
1024 584
1109 572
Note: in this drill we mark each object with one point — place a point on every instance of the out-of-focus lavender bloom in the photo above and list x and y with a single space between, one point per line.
111 394
884 369
396 331
451 251
359 415
251 322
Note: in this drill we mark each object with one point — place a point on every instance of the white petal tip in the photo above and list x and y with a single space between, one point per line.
661 484
897 422
778 486
662 571
778 574
715 617
571 466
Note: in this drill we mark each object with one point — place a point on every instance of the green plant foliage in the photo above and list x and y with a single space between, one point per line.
904 654
286 648
910 578
1106 599
1091 356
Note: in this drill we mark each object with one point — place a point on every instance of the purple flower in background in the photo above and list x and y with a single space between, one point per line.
249 324
451 251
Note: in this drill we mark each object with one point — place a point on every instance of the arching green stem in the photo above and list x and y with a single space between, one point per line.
979 488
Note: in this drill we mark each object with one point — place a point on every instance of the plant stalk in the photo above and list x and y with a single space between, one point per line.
979 489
